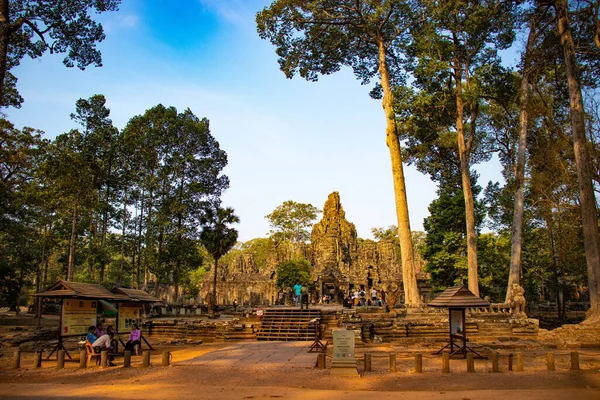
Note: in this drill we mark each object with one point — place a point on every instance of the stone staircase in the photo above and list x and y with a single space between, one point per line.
287 324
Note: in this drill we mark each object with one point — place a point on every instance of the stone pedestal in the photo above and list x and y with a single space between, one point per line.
344 360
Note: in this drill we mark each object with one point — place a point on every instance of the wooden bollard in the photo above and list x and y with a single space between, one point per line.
445 363
37 359
367 362
16 361
419 363
146 362
574 361
321 361
470 363
519 362
104 358
83 359
550 362
60 359
495 366
166 359
127 359
393 363
510 361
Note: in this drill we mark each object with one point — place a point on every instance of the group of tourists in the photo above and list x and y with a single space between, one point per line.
101 339
359 298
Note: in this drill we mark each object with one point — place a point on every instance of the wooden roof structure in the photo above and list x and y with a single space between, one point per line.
136 295
80 290
458 297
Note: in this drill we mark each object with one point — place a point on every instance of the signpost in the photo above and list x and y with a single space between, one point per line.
344 360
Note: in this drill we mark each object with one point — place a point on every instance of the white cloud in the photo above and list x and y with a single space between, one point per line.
118 22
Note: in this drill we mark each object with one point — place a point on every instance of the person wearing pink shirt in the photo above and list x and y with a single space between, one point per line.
134 339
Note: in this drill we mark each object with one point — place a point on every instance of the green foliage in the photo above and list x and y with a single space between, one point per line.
217 237
493 256
290 272
319 37
260 248
291 221
445 246
34 27
390 233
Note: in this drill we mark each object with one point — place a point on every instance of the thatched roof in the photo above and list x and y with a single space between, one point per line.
137 295
458 297
79 290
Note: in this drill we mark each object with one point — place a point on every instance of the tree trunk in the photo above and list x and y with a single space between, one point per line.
465 174
409 278
214 291
70 272
514 275
123 236
589 218
4 39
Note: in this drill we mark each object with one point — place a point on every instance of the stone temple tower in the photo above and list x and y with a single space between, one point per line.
334 249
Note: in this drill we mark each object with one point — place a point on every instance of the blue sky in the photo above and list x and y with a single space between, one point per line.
285 139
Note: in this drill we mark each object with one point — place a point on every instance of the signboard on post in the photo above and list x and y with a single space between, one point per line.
77 316
129 315
457 322
344 360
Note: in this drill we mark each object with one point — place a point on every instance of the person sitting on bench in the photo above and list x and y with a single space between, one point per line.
104 342
91 335
134 339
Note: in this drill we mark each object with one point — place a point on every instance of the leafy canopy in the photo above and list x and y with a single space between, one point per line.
291 221
290 272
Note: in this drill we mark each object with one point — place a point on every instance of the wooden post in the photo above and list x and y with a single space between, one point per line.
470 363
146 362
321 361
445 363
83 359
16 361
495 366
393 363
37 359
104 358
550 362
166 359
574 361
419 363
519 362
367 362
127 359
510 361
60 359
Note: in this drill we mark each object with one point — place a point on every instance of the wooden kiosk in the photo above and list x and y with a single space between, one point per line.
457 299
79 307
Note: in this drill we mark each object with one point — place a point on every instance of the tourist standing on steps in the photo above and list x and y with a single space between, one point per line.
374 295
297 292
304 297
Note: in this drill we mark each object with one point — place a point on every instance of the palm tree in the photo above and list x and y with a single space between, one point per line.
218 238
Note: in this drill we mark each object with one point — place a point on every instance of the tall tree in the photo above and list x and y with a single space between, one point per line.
580 145
218 238
319 37
456 60
33 27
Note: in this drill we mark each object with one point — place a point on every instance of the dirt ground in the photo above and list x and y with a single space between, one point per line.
256 382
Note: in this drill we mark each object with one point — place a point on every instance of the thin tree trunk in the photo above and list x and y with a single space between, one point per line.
409 278
514 275
214 291
465 174
586 192
70 272
123 236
